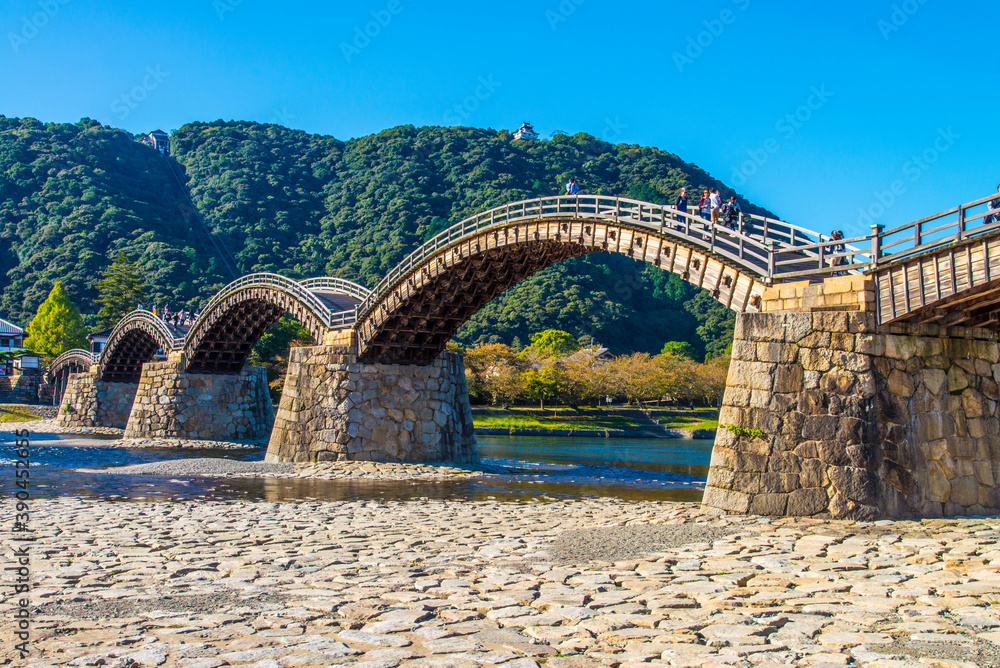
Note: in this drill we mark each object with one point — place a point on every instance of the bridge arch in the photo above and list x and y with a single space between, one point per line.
132 343
410 316
221 338
71 361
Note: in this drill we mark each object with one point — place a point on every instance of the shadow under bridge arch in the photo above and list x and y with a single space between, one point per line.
132 343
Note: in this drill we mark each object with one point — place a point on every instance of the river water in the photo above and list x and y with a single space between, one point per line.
538 468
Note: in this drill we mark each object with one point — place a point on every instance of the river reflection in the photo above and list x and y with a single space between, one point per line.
533 468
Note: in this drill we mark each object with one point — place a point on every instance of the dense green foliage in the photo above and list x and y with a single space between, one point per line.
121 290
72 196
552 342
58 325
678 349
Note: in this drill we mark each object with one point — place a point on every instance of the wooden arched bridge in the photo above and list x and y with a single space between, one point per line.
921 270
860 363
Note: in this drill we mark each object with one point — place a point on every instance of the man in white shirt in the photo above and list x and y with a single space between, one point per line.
716 203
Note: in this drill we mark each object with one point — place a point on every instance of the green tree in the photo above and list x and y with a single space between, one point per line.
541 384
284 334
679 349
58 325
121 290
553 343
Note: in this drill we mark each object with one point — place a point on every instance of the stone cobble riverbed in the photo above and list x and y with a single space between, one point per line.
449 584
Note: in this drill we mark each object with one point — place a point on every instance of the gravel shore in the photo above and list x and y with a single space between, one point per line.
451 584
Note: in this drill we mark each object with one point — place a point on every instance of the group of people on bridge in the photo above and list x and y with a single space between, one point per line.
179 318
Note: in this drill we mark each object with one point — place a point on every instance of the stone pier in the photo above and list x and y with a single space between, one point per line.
170 403
335 408
827 414
88 402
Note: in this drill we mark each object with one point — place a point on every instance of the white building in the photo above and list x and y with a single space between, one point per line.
11 339
525 132
98 340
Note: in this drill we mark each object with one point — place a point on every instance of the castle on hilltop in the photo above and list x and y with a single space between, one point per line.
159 140
525 132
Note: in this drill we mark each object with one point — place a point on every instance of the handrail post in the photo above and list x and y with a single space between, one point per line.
822 264
876 244
918 234
741 222
961 222
766 220
770 245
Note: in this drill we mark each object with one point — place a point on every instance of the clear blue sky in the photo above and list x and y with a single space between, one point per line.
809 109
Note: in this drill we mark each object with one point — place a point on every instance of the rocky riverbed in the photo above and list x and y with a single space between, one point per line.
445 584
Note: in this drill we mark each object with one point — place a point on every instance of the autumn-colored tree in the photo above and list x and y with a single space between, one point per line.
712 379
638 377
495 369
583 379
57 326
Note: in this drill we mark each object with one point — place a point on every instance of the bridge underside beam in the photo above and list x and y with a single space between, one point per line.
416 315
226 346
421 325
975 307
123 363
954 286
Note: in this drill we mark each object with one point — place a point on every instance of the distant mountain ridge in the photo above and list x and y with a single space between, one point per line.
305 205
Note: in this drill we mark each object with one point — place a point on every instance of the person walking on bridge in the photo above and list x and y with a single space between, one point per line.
993 205
732 212
572 188
704 205
837 250
715 202
682 206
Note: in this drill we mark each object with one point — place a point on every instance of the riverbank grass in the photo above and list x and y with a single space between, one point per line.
594 418
15 413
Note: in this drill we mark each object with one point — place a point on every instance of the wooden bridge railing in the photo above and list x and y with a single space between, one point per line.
76 354
271 281
759 245
775 250
338 285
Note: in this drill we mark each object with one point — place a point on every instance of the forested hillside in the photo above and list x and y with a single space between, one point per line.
305 205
